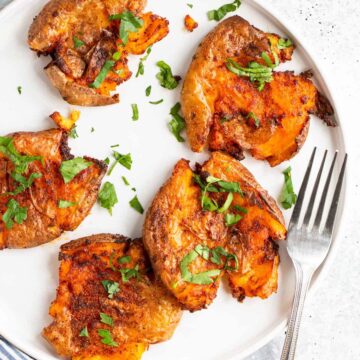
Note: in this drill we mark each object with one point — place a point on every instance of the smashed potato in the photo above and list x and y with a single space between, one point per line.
194 235
88 48
226 108
108 304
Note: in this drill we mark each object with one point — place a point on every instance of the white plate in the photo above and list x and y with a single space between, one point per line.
28 278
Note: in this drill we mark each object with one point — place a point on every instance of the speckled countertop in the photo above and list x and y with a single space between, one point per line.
331 324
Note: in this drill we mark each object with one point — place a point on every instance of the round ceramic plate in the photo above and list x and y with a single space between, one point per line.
28 278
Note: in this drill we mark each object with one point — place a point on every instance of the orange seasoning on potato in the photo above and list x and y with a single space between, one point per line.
190 23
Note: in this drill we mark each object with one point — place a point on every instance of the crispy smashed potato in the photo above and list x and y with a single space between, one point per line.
177 224
45 221
228 112
65 123
190 23
82 46
93 280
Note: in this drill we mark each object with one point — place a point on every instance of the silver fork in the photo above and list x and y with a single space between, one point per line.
308 244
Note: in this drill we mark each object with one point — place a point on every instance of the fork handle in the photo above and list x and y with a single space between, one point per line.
303 279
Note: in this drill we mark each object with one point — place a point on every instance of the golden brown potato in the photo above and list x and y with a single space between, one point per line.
228 112
45 221
81 40
93 281
178 223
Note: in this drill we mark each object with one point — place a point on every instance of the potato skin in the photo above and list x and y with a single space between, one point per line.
143 311
175 224
211 93
45 220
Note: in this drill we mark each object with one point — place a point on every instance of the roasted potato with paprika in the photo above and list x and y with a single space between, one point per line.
211 222
89 42
44 190
234 101
109 304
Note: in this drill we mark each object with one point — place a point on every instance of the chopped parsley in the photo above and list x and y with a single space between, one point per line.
128 23
268 61
165 76
19 90
115 146
135 111
284 44
177 123
232 219
252 116
106 319
136 205
84 332
116 55
106 338
125 180
241 209
256 72
288 197
220 13
124 259
14 212
24 183
127 274
107 197
92 129
141 69
190 5
77 42
124 160
111 287
70 168
102 74
73 133
148 91
64 204
156 102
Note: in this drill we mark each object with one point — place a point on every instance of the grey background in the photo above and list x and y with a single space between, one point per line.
331 325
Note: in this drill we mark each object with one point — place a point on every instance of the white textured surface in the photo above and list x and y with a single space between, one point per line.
331 324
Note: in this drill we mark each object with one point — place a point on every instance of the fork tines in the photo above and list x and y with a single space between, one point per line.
330 220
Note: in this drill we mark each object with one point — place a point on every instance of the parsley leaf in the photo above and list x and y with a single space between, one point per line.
64 204
135 111
232 219
73 133
124 260
156 102
148 91
165 76
227 203
84 332
256 72
70 168
284 43
177 123
14 212
24 183
268 61
190 5
77 42
106 338
141 69
128 23
125 180
220 13
288 197
127 274
136 205
19 89
241 209
124 160
102 74
216 258
112 287
106 319
107 197
251 115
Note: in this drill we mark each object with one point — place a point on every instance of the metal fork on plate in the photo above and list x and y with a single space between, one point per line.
308 244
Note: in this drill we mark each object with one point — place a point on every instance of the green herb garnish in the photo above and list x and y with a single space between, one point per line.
128 23
77 42
84 332
70 168
220 13
102 74
190 5
112 287
124 160
148 91
124 260
125 180
107 197
284 43
135 111
165 76
14 212
106 319
106 338
177 123
73 133
268 61
232 219
136 205
64 204
241 209
19 90
288 197
141 69
156 102
251 115
116 55
127 274
24 183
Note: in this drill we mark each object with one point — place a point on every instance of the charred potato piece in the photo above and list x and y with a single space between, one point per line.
81 39
227 112
45 220
176 224
141 310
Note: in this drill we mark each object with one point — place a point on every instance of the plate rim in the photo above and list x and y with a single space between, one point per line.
326 84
